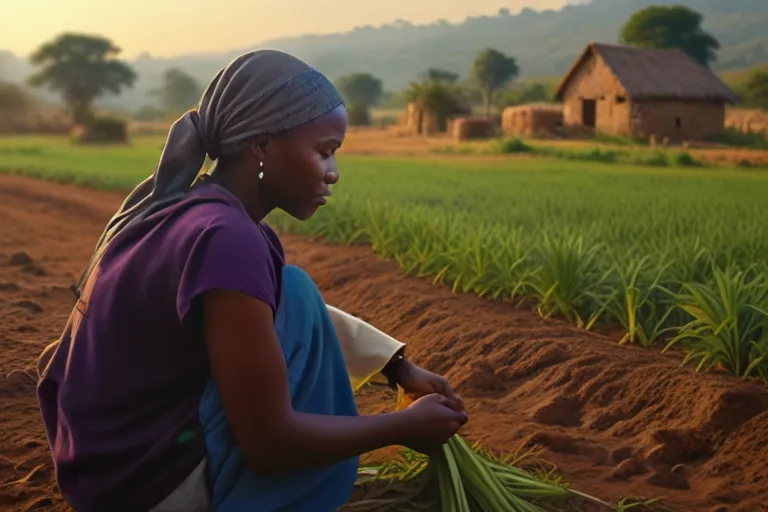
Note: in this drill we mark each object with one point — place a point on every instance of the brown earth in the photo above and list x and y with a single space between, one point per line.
617 421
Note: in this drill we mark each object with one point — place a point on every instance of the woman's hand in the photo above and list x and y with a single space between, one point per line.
432 422
418 382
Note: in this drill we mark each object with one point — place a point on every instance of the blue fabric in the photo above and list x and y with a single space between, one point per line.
319 385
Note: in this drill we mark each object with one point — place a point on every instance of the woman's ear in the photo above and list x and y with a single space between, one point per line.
258 147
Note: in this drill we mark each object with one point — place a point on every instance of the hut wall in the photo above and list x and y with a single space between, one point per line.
594 98
471 128
420 121
678 120
531 120
429 124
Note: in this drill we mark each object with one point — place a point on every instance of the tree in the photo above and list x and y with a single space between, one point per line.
755 88
179 92
82 68
670 28
493 70
531 92
360 89
441 75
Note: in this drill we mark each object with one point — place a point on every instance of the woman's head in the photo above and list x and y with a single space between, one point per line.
273 123
290 170
272 119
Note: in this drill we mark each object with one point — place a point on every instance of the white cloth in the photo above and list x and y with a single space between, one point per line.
366 349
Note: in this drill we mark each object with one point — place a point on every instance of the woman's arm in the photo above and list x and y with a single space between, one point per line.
369 352
249 368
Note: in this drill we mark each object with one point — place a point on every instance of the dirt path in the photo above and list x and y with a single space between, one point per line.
615 420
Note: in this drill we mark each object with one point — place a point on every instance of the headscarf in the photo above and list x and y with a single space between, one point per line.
262 92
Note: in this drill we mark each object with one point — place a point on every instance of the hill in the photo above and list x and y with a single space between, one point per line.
544 42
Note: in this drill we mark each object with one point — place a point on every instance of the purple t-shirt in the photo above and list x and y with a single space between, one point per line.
120 399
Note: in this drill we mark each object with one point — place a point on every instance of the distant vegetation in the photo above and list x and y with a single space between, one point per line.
63 64
543 44
491 71
671 28
754 88
65 61
22 113
178 93
361 91
489 82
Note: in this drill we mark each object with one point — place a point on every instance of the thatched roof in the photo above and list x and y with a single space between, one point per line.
655 74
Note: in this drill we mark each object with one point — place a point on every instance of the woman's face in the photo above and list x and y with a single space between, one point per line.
301 164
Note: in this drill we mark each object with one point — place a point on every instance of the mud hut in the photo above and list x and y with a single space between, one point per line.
663 94
471 127
531 120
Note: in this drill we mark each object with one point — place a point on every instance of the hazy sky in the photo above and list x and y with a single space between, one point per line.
171 27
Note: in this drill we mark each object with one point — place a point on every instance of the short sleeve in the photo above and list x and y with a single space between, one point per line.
230 253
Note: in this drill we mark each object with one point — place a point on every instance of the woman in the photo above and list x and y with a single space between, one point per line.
198 371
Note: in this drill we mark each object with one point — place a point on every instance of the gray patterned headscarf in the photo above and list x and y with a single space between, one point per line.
262 92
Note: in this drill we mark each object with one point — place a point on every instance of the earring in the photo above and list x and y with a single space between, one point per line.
261 172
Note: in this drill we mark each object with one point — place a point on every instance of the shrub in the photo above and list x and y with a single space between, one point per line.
685 159
101 130
598 155
513 145
655 159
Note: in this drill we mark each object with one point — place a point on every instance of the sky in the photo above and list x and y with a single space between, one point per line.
173 27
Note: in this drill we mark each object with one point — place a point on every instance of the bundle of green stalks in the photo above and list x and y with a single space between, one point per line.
457 478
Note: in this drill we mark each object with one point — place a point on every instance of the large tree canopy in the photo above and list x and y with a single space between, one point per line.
360 89
82 68
670 28
179 92
493 70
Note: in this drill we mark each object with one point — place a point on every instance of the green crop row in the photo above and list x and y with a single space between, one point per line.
675 259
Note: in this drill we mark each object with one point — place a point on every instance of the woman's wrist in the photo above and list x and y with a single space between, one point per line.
393 369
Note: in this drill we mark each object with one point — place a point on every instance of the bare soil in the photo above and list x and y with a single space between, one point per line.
617 421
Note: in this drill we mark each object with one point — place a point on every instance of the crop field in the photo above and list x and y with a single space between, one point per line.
673 256
658 259
647 249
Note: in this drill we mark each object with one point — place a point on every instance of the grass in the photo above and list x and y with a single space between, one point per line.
515 145
672 254
54 158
